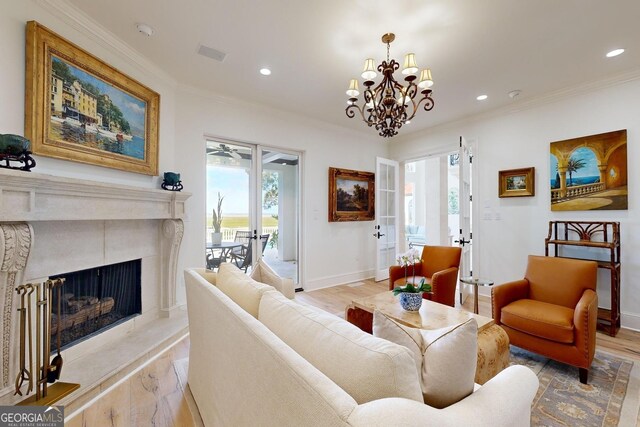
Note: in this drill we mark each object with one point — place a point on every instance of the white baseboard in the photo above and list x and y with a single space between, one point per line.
340 279
630 321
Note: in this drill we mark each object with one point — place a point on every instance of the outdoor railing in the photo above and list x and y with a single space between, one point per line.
229 234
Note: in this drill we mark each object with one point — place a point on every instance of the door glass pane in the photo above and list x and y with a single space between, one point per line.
229 169
280 212
391 232
383 182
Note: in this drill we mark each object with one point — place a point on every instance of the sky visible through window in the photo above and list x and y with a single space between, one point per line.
233 184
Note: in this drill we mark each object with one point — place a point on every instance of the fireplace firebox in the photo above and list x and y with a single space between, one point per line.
94 300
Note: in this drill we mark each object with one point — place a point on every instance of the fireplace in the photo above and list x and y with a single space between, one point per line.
50 226
94 300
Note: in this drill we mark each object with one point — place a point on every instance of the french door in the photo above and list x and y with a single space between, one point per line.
386 225
253 199
465 235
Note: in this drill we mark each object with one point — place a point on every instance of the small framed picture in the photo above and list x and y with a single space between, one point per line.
517 183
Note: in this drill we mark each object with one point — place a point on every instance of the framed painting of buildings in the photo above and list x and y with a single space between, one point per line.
517 182
590 173
351 195
81 109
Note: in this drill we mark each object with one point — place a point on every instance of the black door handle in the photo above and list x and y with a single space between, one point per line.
378 234
462 241
255 235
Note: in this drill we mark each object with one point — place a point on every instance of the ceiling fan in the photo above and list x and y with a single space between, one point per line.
224 150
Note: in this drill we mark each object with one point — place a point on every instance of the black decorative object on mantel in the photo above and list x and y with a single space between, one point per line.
171 182
15 148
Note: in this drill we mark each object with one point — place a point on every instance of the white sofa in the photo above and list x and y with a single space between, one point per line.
242 374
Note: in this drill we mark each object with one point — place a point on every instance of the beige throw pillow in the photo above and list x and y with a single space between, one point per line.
242 289
366 367
446 358
208 275
263 273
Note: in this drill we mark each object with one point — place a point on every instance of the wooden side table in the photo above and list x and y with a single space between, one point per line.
476 281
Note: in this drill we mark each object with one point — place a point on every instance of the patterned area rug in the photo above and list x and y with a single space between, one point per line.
612 397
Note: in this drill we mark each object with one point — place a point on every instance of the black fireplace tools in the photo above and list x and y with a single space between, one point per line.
56 364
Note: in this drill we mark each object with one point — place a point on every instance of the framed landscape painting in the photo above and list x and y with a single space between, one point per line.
80 108
517 182
589 173
351 195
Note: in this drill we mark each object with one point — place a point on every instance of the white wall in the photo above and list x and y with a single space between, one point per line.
332 252
521 139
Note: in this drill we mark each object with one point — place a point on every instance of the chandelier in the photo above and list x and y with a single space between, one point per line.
389 105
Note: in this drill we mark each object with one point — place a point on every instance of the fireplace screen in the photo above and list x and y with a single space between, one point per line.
93 300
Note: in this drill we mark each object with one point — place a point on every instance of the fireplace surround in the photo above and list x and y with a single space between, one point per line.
51 225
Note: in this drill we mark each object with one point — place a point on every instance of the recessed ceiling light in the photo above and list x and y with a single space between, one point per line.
482 97
615 52
407 122
265 71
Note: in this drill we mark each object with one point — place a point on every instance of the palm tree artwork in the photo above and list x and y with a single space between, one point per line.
573 165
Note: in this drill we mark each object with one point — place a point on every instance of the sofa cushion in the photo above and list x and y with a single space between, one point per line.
446 357
544 320
242 289
264 274
366 367
208 275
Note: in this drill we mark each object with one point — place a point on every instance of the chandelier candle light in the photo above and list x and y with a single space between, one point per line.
389 105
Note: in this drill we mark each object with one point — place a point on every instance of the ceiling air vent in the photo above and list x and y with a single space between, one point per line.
212 53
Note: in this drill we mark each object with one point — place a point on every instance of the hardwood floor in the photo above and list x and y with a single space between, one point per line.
154 396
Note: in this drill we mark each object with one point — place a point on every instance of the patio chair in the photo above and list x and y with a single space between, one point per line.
244 260
264 238
244 237
213 261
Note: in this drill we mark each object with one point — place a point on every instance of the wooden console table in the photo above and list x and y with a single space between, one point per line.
600 235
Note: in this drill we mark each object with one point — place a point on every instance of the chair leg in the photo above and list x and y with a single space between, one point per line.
584 375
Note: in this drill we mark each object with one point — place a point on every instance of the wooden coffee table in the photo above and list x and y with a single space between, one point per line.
493 342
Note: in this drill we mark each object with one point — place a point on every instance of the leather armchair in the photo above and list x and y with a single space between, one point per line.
439 266
552 311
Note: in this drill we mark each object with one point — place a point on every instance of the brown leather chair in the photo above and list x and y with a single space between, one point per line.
552 311
439 265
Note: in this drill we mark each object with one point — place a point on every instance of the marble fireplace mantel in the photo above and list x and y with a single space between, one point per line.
49 204
28 196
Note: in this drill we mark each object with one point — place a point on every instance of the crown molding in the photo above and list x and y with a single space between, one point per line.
528 104
281 113
81 22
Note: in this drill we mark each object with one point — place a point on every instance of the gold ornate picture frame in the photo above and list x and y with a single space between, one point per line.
351 195
79 108
517 183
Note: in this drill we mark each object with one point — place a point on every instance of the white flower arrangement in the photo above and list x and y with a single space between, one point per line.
408 258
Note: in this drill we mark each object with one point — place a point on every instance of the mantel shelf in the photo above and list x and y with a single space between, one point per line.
28 196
